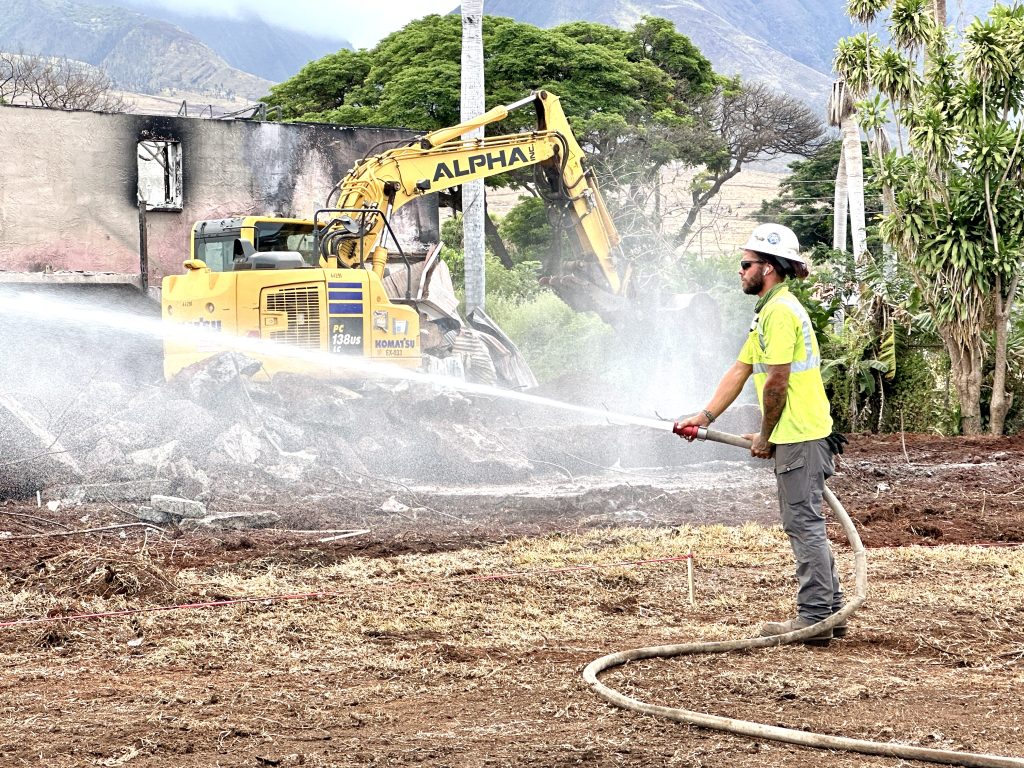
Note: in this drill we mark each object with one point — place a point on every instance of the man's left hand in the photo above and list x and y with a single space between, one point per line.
760 448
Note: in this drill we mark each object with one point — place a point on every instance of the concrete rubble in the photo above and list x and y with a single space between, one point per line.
220 433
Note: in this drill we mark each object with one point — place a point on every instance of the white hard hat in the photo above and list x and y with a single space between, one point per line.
775 240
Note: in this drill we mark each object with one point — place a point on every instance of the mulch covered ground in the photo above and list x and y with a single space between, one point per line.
924 489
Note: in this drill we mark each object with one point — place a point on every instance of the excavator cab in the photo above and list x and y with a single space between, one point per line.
221 243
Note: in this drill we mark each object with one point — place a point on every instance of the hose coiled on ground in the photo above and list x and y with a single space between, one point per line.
768 732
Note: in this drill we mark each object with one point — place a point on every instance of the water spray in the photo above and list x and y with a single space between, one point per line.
760 730
50 310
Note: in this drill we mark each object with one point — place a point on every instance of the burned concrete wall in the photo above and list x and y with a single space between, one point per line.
70 181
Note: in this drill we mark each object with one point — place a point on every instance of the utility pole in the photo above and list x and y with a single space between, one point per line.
473 210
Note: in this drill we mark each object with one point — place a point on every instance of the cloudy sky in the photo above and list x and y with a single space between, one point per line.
361 22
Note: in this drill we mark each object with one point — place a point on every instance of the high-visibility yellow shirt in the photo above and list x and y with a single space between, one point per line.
782 333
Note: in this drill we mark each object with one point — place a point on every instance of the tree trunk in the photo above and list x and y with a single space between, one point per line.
497 244
840 209
965 368
453 202
940 11
1001 400
700 199
473 213
855 184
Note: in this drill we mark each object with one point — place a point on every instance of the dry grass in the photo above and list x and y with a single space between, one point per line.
418 657
517 593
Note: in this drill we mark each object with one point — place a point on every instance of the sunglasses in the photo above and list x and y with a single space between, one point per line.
745 265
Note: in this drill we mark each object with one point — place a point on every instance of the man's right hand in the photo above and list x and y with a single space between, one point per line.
760 447
697 420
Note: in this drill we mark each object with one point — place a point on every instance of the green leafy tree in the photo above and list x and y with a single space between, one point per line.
957 215
320 86
527 231
411 77
636 98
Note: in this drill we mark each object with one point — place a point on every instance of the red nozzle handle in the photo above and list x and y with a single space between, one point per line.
687 432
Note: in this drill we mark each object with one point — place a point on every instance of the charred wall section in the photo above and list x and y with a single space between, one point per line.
69 184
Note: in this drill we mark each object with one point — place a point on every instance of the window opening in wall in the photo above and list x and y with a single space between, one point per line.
160 174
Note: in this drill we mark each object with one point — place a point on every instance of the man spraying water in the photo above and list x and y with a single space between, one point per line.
781 352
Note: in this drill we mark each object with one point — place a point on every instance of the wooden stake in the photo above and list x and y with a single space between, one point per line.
689 575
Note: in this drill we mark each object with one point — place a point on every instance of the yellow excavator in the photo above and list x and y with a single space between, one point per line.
340 282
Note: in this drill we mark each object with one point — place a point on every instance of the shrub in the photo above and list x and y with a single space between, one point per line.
553 338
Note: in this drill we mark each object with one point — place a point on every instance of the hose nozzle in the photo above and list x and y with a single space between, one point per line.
691 432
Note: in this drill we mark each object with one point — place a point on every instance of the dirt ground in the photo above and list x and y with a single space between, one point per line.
454 631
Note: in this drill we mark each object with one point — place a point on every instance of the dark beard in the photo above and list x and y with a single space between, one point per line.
755 285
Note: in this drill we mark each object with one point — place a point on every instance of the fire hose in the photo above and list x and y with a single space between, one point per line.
769 732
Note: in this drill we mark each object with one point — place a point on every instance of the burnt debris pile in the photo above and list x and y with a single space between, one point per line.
221 428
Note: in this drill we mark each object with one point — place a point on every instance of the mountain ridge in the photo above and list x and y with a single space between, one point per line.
122 43
731 48
788 44
248 43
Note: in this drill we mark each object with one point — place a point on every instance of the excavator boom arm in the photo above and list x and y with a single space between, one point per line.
443 159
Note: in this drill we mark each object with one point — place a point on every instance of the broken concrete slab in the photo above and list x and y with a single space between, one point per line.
188 482
177 507
132 490
292 466
214 374
157 457
237 445
285 434
393 505
150 515
104 453
464 453
236 521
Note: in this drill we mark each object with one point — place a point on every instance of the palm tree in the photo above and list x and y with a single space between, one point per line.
865 11
850 176
897 78
992 64
911 22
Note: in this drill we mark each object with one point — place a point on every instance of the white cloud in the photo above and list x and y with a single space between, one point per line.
362 22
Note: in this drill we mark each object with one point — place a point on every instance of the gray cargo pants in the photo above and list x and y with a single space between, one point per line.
800 472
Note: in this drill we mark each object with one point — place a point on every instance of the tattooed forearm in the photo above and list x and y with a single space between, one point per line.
774 397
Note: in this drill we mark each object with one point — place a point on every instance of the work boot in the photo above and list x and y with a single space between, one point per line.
782 627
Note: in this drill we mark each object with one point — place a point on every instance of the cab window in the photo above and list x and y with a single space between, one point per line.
216 252
271 236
